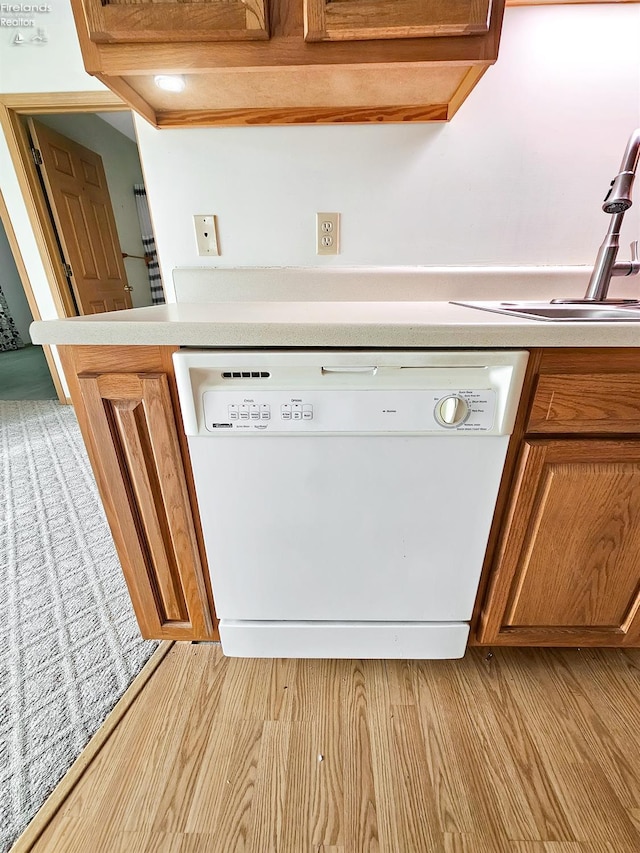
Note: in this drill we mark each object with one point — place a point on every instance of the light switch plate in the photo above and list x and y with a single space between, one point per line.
206 234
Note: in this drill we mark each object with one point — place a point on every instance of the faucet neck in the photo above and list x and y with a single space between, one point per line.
600 280
616 202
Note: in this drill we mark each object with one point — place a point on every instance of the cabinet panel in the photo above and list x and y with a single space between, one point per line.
568 565
586 403
327 20
145 21
383 65
140 466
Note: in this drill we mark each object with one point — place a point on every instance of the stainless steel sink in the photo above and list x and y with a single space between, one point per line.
562 312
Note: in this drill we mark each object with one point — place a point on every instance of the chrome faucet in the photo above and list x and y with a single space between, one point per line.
616 202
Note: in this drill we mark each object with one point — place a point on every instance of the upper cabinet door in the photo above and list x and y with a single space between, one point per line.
335 20
171 21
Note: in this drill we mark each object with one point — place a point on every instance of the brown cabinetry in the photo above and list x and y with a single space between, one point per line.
315 61
563 565
382 19
566 567
146 21
127 408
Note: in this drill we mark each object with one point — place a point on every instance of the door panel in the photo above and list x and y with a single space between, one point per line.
143 483
116 21
76 187
326 20
287 546
568 568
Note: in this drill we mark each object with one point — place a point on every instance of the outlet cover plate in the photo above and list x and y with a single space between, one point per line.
327 233
206 234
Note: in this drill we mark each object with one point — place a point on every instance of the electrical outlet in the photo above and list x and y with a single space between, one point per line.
206 234
327 233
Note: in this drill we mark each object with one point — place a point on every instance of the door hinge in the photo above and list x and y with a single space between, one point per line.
66 269
37 156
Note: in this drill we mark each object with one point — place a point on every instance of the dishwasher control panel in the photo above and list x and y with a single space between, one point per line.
438 410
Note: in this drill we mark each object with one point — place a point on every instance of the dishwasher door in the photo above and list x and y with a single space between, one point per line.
358 531
339 528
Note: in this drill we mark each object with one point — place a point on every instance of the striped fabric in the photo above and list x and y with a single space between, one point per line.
149 244
9 335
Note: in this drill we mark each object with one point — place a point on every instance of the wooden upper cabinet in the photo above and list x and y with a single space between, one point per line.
145 21
327 20
317 62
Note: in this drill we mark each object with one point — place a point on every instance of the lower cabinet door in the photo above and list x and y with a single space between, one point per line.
142 482
567 568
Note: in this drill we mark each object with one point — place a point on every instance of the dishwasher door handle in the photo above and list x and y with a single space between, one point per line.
357 369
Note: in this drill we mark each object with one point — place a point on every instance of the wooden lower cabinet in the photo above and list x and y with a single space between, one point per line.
127 407
563 564
567 567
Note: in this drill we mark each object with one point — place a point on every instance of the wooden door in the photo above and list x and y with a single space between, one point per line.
326 20
76 188
567 571
132 434
114 21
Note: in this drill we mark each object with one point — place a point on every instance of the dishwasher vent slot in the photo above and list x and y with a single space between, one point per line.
246 374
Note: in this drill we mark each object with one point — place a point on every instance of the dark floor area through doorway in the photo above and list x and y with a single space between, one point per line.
24 375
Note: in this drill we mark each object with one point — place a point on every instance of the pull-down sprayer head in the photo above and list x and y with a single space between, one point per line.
618 199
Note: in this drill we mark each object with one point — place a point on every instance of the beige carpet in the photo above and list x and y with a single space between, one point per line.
69 642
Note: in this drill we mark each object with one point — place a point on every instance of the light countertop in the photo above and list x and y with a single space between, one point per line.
327 324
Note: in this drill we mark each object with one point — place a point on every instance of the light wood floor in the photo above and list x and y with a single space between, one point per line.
528 751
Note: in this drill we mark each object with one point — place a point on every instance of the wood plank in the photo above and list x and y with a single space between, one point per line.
590 806
376 19
176 22
301 115
511 754
586 403
361 805
526 800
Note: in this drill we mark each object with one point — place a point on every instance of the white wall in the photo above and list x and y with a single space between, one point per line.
55 66
516 178
52 67
12 288
122 169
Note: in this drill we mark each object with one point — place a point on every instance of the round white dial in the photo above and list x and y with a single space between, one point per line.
451 411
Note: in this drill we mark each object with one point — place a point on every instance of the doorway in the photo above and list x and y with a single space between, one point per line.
24 374
99 121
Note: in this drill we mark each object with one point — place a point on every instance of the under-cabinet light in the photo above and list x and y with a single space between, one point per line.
170 82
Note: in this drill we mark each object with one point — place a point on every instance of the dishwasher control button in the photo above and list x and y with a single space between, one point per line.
233 412
297 411
451 411
244 413
307 412
285 412
265 412
255 413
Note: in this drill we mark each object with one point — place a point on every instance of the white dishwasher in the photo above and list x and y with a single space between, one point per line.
346 496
